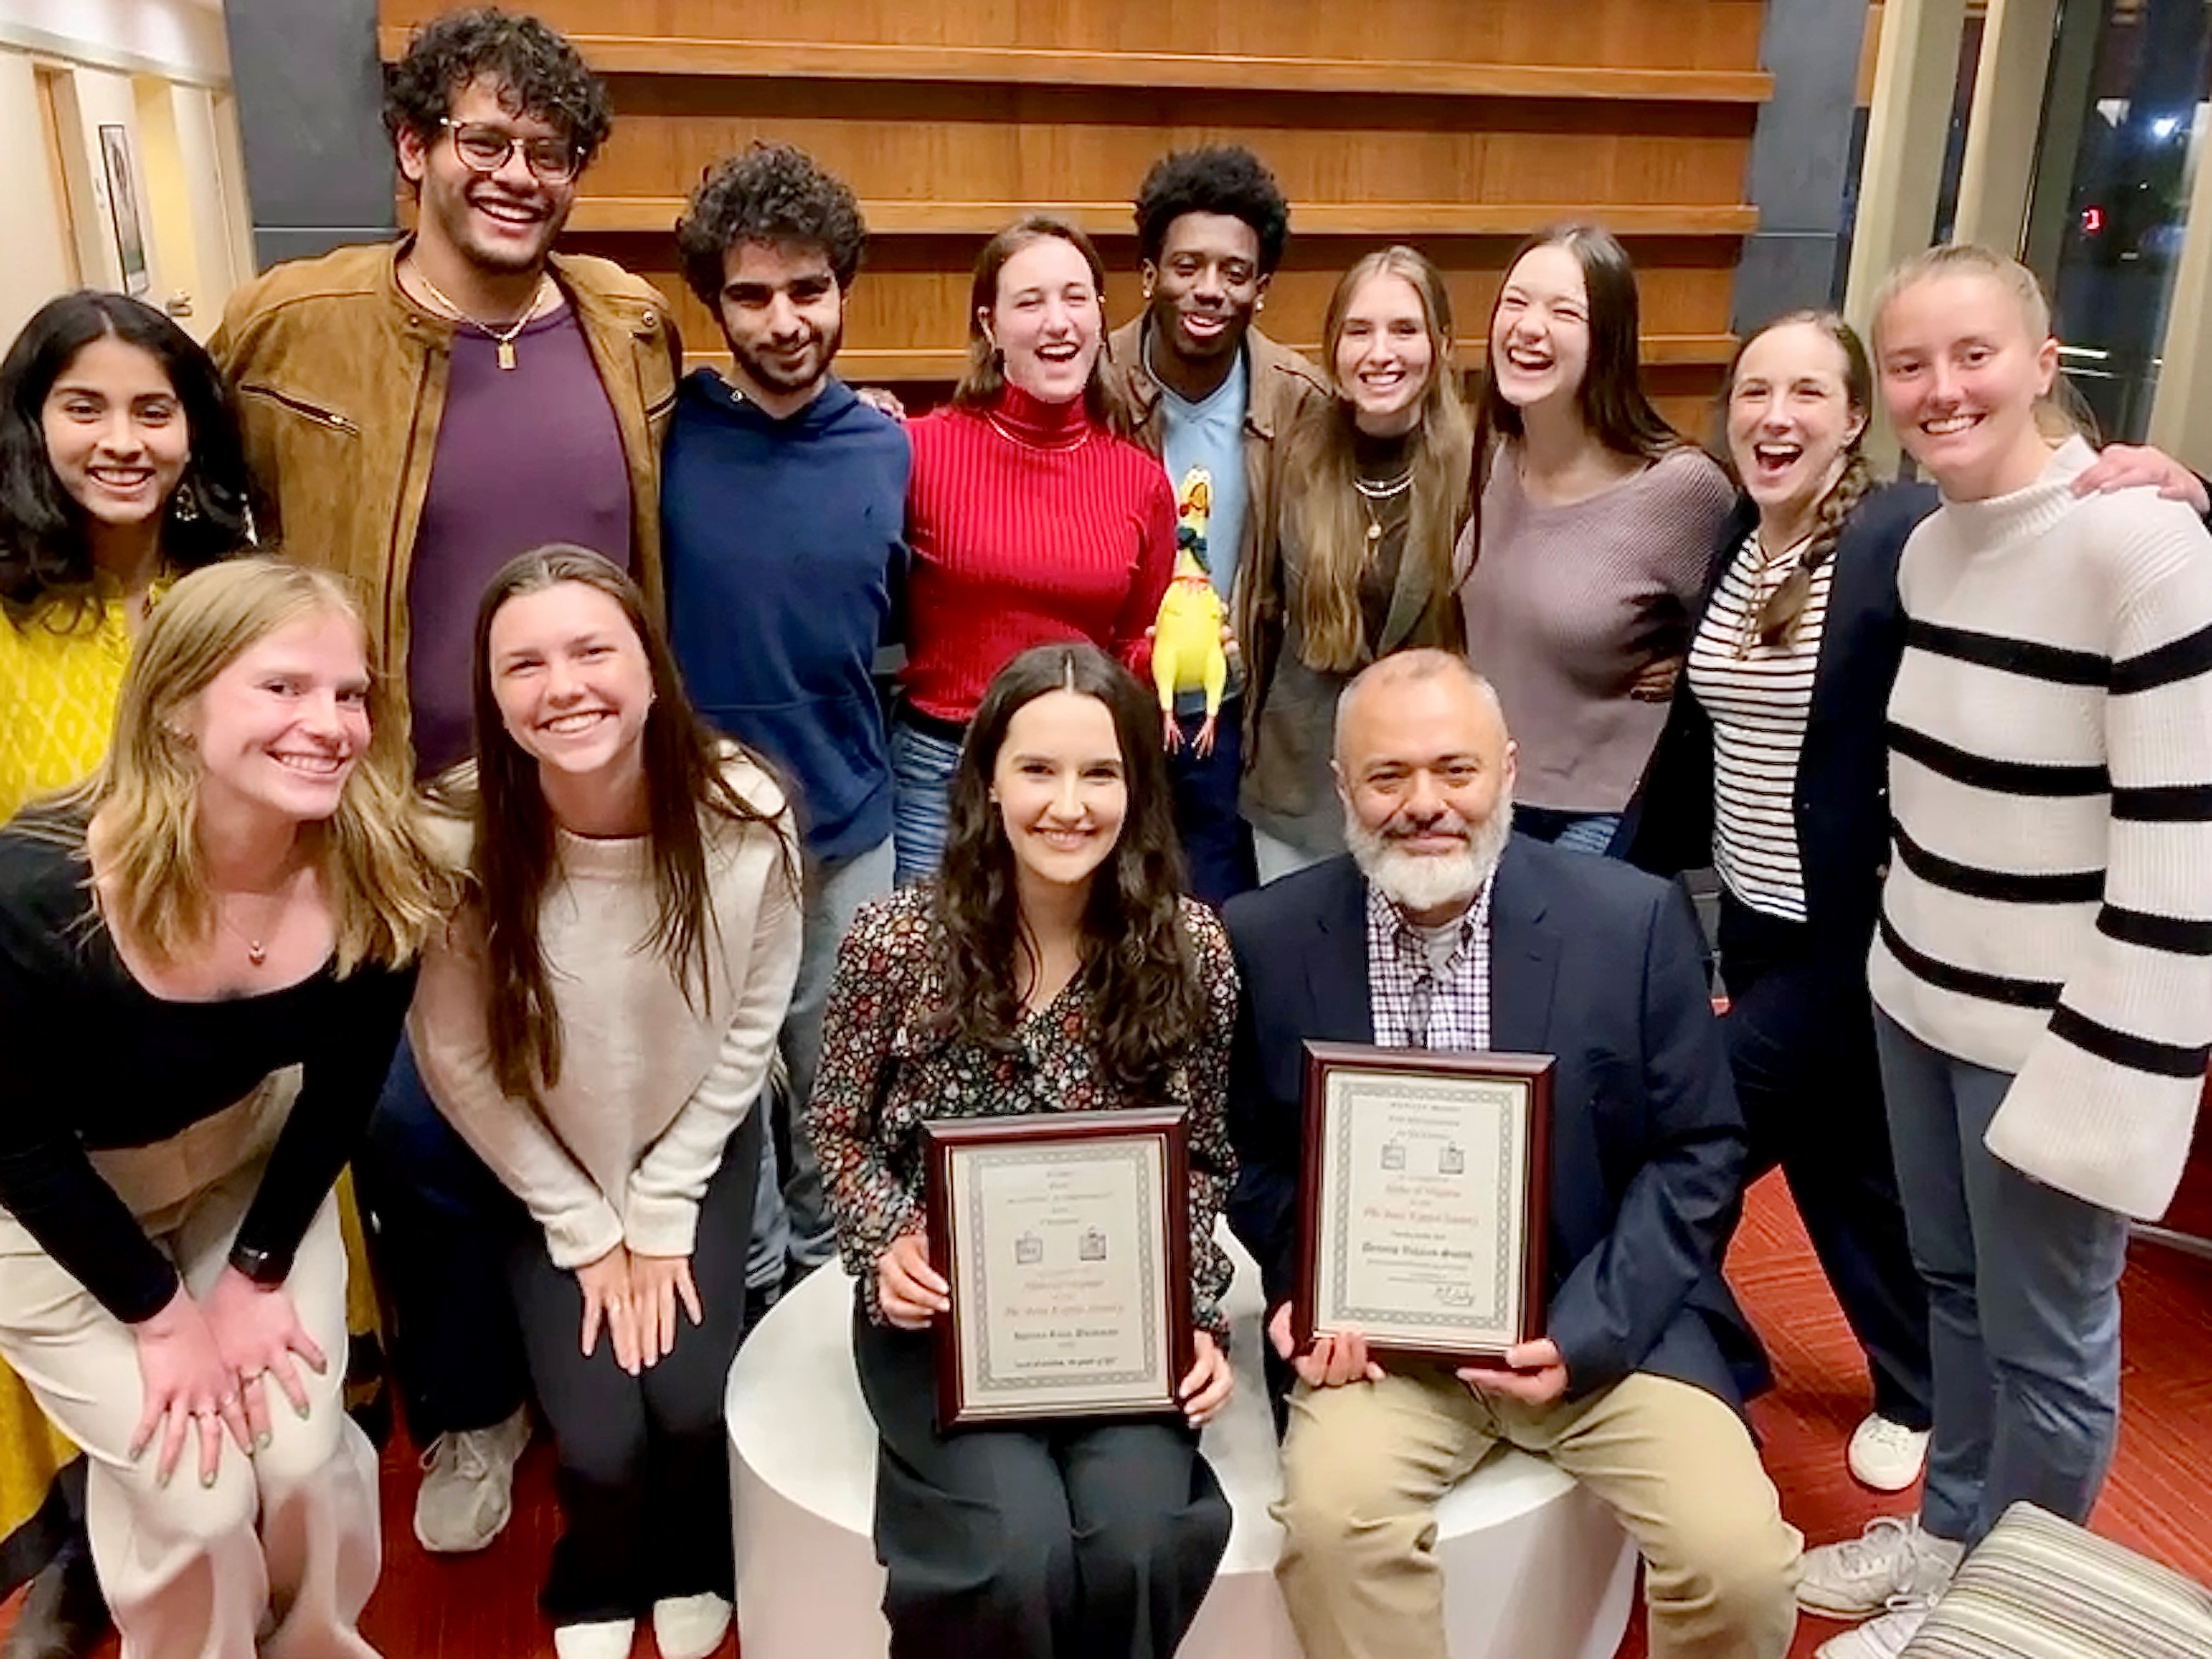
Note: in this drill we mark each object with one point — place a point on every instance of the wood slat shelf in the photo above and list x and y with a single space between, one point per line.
767 60
862 365
1379 219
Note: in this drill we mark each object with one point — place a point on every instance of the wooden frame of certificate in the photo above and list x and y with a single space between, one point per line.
1423 1198
1066 1238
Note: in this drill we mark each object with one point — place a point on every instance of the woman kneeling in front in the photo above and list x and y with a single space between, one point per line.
1049 967
206 953
598 1024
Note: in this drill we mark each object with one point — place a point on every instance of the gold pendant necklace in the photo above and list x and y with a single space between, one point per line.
503 337
1372 491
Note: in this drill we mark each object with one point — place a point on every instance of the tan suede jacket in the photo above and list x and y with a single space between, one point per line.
341 379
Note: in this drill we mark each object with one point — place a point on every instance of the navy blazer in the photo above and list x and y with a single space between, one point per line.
1593 962
1842 799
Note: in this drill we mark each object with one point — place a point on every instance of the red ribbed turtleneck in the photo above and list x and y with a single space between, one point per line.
1030 524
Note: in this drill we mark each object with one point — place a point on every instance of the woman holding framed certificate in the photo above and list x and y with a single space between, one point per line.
1049 968
596 1024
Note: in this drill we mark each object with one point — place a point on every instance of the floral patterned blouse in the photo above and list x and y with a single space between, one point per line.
884 1070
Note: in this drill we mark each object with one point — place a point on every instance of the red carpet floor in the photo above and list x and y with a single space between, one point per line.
2159 1501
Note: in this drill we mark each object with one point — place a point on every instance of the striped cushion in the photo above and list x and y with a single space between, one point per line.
2040 1588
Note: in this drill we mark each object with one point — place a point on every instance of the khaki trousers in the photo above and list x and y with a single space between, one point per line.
278 1556
1365 1464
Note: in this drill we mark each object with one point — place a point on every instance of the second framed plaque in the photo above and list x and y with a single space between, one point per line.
1066 1238
1422 1199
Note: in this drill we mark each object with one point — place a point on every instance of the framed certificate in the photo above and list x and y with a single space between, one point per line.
1064 1236
1423 1198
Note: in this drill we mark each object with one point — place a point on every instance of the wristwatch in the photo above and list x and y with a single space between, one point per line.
262 1266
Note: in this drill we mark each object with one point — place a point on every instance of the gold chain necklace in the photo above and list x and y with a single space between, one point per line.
503 337
1372 491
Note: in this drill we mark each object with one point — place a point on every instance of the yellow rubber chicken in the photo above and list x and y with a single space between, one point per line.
1187 651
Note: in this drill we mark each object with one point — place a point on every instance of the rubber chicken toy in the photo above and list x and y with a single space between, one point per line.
1187 650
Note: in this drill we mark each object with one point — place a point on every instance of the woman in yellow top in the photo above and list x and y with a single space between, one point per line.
120 468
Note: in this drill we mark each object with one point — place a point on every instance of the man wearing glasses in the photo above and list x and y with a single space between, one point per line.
417 412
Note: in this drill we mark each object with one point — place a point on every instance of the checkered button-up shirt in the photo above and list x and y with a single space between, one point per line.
1414 1005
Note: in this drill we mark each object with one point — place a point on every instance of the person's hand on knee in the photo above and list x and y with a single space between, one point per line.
609 1298
908 1289
186 1386
657 1284
258 1334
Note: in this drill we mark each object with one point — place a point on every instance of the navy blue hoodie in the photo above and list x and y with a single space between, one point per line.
783 549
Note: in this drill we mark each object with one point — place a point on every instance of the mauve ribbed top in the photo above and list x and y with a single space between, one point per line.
1566 605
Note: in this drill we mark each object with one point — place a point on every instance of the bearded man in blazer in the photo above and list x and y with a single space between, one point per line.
1442 929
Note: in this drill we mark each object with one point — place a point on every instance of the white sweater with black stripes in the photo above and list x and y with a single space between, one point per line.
2049 907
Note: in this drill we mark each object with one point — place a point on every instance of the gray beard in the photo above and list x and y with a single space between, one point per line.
1428 881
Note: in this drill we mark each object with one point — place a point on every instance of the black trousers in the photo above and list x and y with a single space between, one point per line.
1082 1542
1800 1031
643 1468
439 1221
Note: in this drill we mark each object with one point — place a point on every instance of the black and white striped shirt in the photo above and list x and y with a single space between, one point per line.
1757 697
2049 908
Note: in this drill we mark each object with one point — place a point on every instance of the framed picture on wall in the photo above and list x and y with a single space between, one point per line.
122 202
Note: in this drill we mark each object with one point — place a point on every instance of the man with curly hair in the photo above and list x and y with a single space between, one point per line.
783 508
1213 397
419 411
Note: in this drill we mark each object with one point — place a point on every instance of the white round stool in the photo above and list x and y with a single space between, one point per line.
1534 1567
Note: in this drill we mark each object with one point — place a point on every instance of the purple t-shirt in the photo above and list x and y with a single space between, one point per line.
525 456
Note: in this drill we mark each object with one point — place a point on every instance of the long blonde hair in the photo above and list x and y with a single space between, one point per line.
385 886
2060 413
1325 515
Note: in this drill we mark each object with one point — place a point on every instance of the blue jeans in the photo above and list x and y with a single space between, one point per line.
922 765
2023 1301
790 1216
1217 844
1580 832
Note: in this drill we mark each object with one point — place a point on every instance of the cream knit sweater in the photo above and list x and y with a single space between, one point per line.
621 1149
2048 911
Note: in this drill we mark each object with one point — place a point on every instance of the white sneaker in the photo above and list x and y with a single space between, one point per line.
1886 1455
689 1626
468 1486
1878 1638
605 1638
1861 1576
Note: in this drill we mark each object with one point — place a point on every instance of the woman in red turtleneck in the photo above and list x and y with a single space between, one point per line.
1030 521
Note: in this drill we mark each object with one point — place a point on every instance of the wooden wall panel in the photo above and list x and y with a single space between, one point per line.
1457 125
1681 34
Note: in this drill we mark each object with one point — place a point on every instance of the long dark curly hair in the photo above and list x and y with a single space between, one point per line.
1140 972
43 552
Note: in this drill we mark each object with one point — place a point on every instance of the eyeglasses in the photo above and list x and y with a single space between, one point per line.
483 148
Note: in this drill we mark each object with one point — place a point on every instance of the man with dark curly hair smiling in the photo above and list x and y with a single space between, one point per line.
419 411
783 506
1211 395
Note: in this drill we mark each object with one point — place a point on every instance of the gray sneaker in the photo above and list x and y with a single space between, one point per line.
1879 1638
468 1486
1861 1577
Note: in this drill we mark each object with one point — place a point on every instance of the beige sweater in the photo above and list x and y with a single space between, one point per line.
650 1088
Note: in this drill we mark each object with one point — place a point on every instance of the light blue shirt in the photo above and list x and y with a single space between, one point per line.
1206 440
1202 445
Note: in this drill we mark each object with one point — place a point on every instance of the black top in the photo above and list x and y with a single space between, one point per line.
93 1061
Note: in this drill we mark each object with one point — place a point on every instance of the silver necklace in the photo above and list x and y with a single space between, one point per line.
1374 490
